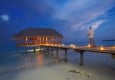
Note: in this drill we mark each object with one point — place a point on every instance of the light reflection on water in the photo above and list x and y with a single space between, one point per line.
21 61
25 66
40 59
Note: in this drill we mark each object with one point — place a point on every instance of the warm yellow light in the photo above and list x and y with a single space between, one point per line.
102 48
59 45
32 50
89 46
52 44
26 39
113 46
46 38
72 45
38 49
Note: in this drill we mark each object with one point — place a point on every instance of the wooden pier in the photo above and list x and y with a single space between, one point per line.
79 49
51 40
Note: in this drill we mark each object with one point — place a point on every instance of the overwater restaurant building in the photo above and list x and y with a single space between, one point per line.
37 36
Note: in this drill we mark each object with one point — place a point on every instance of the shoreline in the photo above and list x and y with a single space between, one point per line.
26 66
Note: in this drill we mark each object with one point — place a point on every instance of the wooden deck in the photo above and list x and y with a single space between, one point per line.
99 49
80 49
83 49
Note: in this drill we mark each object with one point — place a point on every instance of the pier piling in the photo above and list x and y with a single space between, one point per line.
81 58
65 55
34 49
57 53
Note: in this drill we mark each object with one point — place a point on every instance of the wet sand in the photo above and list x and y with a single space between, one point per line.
41 67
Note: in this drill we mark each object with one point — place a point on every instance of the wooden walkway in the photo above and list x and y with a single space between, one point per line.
80 49
99 49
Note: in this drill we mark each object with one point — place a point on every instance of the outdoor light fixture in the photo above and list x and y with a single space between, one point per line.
72 45
89 46
102 48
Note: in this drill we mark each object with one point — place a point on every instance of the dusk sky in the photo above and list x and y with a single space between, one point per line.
69 17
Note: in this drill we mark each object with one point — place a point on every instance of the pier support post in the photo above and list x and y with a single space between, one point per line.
43 49
51 52
34 48
65 55
48 51
113 56
81 57
57 53
26 49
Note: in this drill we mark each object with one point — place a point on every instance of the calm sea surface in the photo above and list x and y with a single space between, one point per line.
41 66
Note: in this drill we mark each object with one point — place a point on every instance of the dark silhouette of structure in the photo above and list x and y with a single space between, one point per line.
91 37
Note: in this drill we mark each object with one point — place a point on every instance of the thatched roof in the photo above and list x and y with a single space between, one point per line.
37 32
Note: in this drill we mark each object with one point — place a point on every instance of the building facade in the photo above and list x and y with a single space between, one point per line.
38 36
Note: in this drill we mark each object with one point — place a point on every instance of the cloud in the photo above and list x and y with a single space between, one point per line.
97 24
75 16
79 14
4 17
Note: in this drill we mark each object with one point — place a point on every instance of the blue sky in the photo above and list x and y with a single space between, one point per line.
70 17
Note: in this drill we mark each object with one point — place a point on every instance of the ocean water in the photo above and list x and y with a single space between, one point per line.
41 66
30 66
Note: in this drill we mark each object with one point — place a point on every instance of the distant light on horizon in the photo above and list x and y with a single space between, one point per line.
4 17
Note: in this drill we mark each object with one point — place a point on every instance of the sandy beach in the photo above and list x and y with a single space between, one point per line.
42 67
